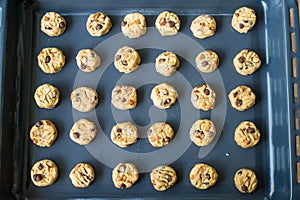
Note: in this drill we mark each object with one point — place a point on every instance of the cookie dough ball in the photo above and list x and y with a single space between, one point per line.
243 19
167 23
98 24
124 175
245 180
51 60
83 132
203 97
203 26
203 176
160 134
43 133
44 173
134 25
163 177
127 59
53 24
87 60
124 97
167 63
242 98
46 96
203 132
84 99
246 62
207 61
124 134
163 96
82 175
246 134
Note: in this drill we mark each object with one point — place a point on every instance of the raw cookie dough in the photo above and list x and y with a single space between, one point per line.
51 60
203 26
167 63
84 99
134 25
203 176
163 96
160 134
44 173
242 98
246 62
43 133
167 23
53 24
163 177
245 180
83 131
98 24
246 134
127 59
46 96
124 134
124 97
207 61
124 175
203 132
243 19
82 175
87 60
203 97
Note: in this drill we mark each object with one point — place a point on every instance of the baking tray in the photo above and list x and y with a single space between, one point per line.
273 159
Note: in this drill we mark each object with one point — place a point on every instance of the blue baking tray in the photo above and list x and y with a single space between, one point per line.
273 159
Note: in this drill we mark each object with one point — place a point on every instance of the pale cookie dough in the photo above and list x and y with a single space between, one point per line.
160 134
163 96
167 63
43 133
203 132
242 98
203 26
82 175
203 176
84 99
203 97
167 23
124 97
124 175
51 60
134 25
246 62
46 96
53 24
127 59
83 131
243 19
246 134
207 61
98 24
163 177
245 180
124 134
44 173
87 60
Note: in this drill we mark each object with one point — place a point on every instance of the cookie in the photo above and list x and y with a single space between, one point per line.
84 99
127 59
167 23
98 24
124 175
163 177
167 63
160 134
203 132
163 96
203 97
83 131
124 134
203 26
87 60
207 61
53 24
246 62
82 175
246 134
245 180
43 133
242 98
243 19
124 97
134 25
203 176
51 60
44 173
46 96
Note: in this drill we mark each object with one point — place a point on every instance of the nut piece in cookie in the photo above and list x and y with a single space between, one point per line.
83 131
167 63
84 99
242 98
134 25
203 132
243 19
124 97
160 134
245 180
51 60
87 60
44 173
127 59
203 26
203 97
203 176
124 134
124 175
43 133
98 24
163 177
167 23
46 96
163 96
246 62
53 24
207 61
82 175
246 134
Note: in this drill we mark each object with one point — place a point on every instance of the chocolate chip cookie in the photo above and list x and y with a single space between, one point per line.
242 98
167 63
203 26
82 175
160 134
98 24
87 60
124 134
43 133
207 61
245 180
163 177
124 97
163 96
246 134
53 24
46 96
243 19
167 23
127 59
124 175
203 132
84 99
134 25
83 131
44 173
51 60
203 176
246 62
203 97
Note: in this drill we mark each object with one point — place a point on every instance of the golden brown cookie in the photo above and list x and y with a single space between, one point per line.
203 97
124 97
44 173
163 177
203 26
167 63
242 98
243 19
246 134
82 175
124 134
245 180
51 60
84 99
167 23
160 134
207 61
83 131
124 175
53 24
163 96
246 62
98 24
127 59
134 25
46 96
43 133
203 132
87 60
203 176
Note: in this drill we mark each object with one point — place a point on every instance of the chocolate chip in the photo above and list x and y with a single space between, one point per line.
168 177
118 57
240 172
47 59
38 124
48 28
76 135
207 176
239 103
206 91
37 177
130 50
99 27
167 101
242 59
167 139
41 166
122 168
53 94
124 62
163 22
242 26
124 23
171 23
83 66
162 60
244 188
246 21
62 25
250 130
206 183
235 94
119 130
204 63
122 186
